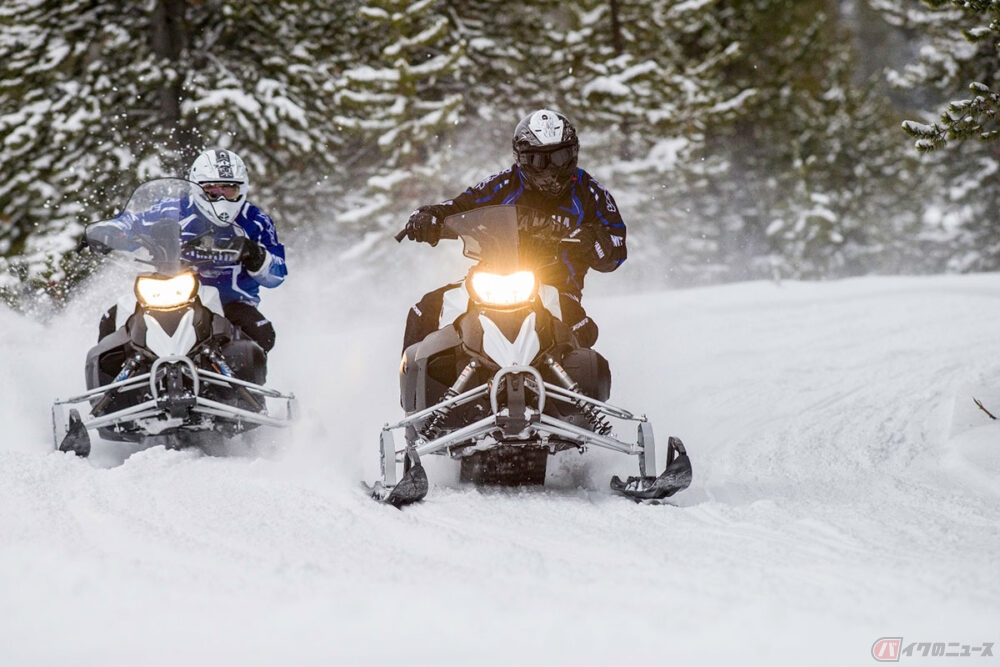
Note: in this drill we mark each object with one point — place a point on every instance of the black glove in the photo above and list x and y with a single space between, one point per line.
93 246
239 249
252 255
424 225
248 253
580 241
102 238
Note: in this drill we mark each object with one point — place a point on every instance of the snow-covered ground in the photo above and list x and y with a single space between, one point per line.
845 490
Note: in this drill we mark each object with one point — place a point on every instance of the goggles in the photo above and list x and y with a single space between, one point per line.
219 191
536 159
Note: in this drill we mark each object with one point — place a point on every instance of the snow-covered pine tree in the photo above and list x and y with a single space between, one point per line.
960 61
513 64
397 103
784 182
643 101
98 95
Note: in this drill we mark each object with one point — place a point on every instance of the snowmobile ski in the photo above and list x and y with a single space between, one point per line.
675 477
76 440
411 488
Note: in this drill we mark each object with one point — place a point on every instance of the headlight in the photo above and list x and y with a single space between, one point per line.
492 289
166 293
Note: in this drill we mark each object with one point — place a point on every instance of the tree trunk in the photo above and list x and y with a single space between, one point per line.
618 44
169 40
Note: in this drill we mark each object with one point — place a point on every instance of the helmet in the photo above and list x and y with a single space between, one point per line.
223 177
546 148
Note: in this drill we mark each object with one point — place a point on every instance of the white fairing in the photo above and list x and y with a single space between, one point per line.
164 345
124 309
550 300
210 298
519 352
455 302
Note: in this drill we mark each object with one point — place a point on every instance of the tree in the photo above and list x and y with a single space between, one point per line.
961 53
397 100
788 173
98 95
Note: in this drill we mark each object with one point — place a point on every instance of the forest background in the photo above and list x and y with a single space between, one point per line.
742 139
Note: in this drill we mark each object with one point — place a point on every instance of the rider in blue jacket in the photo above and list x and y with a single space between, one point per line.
223 210
545 177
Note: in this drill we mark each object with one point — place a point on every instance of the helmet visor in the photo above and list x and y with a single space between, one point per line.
536 159
219 191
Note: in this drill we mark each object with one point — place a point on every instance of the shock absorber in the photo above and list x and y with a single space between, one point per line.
432 429
597 420
128 368
125 373
220 362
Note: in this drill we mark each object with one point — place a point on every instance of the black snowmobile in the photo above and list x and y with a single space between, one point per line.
174 371
505 385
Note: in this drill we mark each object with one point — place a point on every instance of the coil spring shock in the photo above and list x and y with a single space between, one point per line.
433 427
125 373
598 421
219 362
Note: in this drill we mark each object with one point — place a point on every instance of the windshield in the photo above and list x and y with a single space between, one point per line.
505 238
164 220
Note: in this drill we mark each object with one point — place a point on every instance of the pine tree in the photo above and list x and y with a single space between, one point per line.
647 88
101 94
961 56
396 101
784 187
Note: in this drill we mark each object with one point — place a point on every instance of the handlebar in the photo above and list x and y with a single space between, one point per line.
446 233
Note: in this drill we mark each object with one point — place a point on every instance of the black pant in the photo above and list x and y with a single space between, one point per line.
243 315
424 318
252 322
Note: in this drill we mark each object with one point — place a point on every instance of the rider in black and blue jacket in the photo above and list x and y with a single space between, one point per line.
545 177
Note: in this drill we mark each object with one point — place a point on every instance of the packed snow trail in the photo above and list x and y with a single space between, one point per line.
832 503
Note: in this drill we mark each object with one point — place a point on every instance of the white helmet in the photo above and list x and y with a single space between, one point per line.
220 167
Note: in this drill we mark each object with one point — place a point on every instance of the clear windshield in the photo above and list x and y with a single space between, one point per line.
505 238
161 223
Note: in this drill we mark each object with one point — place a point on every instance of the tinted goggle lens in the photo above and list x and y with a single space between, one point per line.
217 191
560 157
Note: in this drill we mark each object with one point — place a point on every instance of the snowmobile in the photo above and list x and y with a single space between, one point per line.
503 385
174 371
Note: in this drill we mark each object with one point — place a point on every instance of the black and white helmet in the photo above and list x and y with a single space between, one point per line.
223 178
546 150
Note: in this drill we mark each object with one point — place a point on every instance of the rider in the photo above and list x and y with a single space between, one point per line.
222 206
544 177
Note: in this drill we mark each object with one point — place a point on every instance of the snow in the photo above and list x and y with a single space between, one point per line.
843 492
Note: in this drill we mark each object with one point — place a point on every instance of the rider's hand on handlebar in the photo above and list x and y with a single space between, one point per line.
424 226
579 241
97 248
101 239
249 253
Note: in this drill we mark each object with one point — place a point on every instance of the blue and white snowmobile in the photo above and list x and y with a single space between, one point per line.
504 385
174 371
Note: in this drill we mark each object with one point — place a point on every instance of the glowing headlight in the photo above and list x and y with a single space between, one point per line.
166 293
493 289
